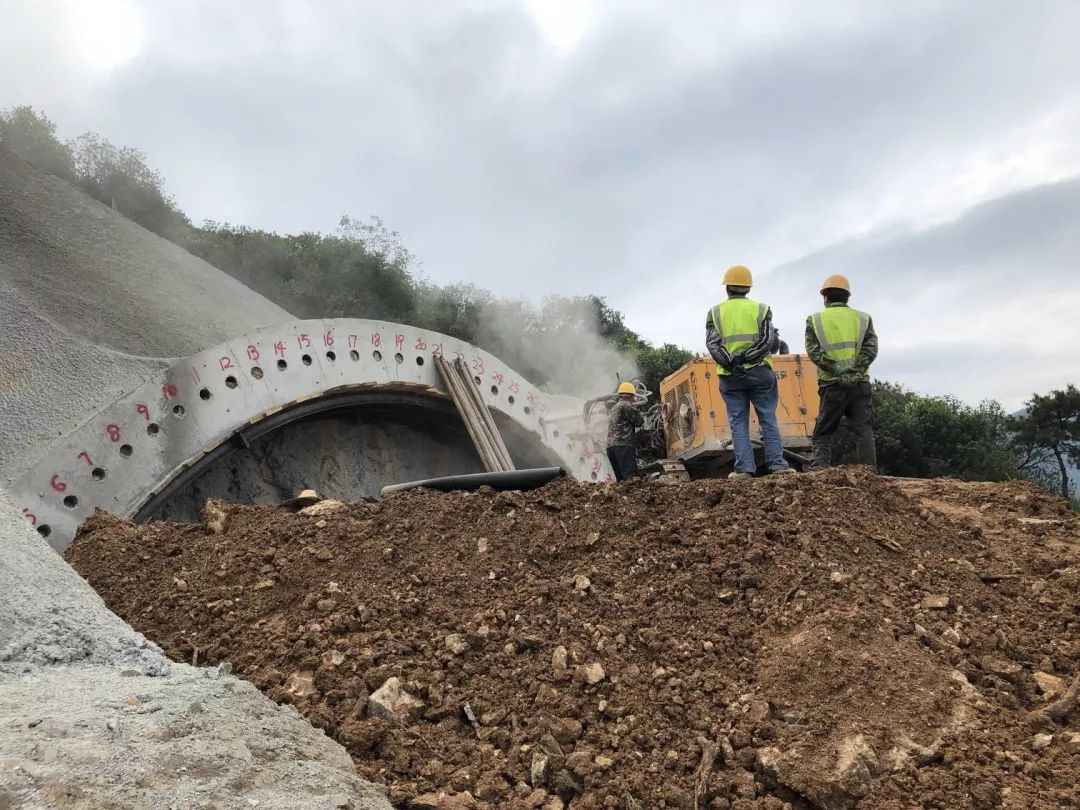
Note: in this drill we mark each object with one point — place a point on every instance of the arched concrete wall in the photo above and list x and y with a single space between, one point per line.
138 444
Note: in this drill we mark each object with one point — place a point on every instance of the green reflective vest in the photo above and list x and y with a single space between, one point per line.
840 330
738 322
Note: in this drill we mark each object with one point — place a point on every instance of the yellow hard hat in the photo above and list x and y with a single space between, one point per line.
837 282
738 276
626 388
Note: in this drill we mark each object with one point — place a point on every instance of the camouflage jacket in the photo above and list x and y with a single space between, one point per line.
623 420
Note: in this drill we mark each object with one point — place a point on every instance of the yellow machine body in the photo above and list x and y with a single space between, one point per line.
696 421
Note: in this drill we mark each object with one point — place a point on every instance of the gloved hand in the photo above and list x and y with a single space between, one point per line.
849 377
737 371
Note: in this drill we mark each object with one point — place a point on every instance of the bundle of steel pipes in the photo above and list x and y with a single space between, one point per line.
476 416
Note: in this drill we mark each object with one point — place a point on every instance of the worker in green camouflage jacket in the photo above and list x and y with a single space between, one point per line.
842 343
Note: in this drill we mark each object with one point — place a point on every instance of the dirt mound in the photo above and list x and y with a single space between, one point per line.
834 640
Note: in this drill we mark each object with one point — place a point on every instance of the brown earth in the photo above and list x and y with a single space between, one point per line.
832 640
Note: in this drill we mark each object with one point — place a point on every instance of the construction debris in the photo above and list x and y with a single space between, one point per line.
713 661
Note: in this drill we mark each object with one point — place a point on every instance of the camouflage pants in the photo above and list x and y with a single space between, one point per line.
855 404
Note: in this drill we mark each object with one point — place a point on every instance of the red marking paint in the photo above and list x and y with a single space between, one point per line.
142 409
459 354
352 341
57 484
478 365
514 386
328 338
399 342
437 350
168 391
195 374
114 432
253 353
497 377
225 362
85 457
376 339
303 340
420 345
279 348
29 515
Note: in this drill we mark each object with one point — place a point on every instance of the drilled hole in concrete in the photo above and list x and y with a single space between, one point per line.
354 355
126 450
419 361
306 358
555 434
594 476
527 410
44 530
581 460
230 381
152 429
494 390
204 394
256 372
71 501
331 356
399 357
476 380
98 474
178 411
376 355
282 365
510 399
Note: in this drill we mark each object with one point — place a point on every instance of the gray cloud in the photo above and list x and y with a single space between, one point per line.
637 164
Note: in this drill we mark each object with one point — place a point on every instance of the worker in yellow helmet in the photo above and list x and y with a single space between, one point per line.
739 334
842 343
623 421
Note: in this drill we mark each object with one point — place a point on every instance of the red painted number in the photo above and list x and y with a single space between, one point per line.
304 341
514 387
352 341
596 466
253 353
195 374
420 345
328 339
532 398
168 391
478 365
114 432
279 348
399 341
85 457
225 362
376 339
143 411
497 377
57 484
436 350
459 354
29 516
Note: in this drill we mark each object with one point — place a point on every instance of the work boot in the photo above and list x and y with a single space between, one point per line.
738 474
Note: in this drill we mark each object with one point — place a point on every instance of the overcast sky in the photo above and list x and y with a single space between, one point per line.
629 149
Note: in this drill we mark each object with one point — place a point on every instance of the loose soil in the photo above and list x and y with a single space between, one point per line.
830 640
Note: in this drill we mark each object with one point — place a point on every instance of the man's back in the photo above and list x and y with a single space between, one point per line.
622 421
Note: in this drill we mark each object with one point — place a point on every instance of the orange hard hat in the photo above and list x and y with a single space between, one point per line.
738 276
836 282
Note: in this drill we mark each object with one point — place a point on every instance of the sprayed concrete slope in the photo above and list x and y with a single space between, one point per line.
91 304
93 715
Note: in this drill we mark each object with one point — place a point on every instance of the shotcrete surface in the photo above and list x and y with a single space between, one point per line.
93 715
90 303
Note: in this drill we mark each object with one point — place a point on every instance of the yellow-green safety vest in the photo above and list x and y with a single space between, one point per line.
840 331
738 322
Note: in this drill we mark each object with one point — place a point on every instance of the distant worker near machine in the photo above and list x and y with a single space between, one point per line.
740 336
623 421
779 344
842 343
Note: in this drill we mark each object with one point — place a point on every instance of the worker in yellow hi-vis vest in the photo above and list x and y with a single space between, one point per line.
842 343
740 336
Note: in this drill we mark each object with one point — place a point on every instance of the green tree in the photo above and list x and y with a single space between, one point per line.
927 437
121 178
32 136
1049 431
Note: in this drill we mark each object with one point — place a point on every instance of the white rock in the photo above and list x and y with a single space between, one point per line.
391 702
